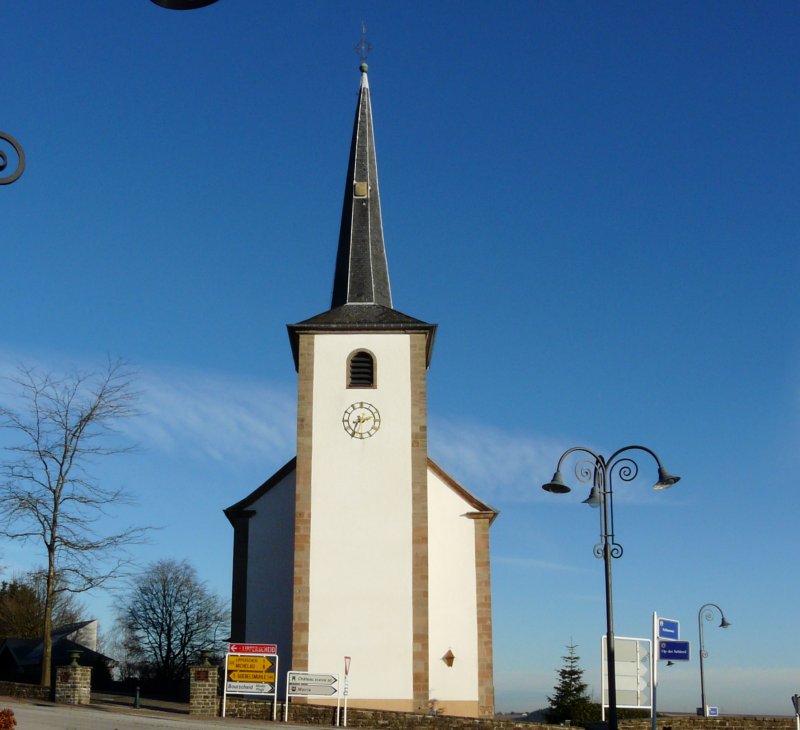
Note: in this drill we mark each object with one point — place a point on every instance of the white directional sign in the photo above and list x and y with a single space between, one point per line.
306 684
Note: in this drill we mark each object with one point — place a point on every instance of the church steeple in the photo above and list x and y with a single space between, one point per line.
362 275
362 298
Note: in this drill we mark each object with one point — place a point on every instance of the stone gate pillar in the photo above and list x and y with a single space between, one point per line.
203 683
74 684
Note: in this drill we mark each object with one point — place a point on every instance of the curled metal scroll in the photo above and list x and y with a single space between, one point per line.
8 179
585 469
614 549
626 469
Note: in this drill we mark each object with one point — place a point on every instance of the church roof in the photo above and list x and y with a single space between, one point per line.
243 508
362 298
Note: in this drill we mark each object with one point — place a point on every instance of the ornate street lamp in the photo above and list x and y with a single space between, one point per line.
706 612
599 471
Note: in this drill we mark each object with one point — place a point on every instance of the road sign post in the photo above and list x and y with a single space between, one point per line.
251 669
306 684
663 629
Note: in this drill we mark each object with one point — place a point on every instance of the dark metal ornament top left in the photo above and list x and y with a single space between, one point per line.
8 179
183 4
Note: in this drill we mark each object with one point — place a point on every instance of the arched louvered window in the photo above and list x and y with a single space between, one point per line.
361 370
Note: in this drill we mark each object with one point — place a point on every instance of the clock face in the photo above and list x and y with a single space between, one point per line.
361 420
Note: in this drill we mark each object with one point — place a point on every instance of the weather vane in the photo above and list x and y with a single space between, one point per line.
363 47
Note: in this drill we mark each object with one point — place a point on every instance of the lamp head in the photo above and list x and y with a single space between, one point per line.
665 479
183 4
724 623
556 484
595 498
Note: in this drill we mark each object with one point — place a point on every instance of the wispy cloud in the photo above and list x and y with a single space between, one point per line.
199 415
501 466
214 417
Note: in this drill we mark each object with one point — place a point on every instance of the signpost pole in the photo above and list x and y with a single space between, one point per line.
286 703
225 685
338 701
654 668
275 693
347 686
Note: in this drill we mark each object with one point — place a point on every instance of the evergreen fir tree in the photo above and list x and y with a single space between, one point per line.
570 700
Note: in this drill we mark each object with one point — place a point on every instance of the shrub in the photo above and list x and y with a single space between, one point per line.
7 719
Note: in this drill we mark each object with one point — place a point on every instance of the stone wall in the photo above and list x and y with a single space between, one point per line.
21 689
691 722
305 714
205 691
74 685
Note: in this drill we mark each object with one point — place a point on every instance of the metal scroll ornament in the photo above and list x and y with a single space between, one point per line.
8 179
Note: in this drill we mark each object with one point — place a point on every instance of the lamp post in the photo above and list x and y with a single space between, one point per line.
599 471
707 612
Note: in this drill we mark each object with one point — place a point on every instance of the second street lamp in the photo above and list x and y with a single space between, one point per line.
598 470
706 612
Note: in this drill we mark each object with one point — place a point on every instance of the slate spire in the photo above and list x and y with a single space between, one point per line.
362 298
362 275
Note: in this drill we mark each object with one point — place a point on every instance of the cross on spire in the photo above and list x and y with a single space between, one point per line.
363 47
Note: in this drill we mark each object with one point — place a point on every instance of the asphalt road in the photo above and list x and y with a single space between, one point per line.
38 715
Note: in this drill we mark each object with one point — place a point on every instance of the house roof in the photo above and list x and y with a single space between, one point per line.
28 652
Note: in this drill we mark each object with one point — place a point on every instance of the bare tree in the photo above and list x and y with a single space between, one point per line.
48 495
168 617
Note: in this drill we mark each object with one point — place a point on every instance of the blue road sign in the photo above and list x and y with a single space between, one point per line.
676 651
668 628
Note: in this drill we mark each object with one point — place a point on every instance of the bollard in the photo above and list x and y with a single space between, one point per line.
136 704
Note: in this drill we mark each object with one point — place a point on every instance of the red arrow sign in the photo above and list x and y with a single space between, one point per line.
252 648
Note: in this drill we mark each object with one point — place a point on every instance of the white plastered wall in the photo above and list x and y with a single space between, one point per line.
361 558
452 594
270 569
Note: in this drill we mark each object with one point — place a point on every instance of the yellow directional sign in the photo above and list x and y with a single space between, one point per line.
249 663
237 676
250 669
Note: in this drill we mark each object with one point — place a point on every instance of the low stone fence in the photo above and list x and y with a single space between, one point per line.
690 722
72 687
206 700
21 689
317 715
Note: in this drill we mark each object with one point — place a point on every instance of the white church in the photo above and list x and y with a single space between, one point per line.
362 546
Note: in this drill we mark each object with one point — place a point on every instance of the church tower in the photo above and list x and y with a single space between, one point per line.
362 546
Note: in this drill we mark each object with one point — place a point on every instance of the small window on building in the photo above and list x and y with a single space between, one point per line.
361 373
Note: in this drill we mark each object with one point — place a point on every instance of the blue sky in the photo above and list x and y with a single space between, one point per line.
597 203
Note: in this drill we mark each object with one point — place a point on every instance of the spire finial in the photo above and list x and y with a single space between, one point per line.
363 47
